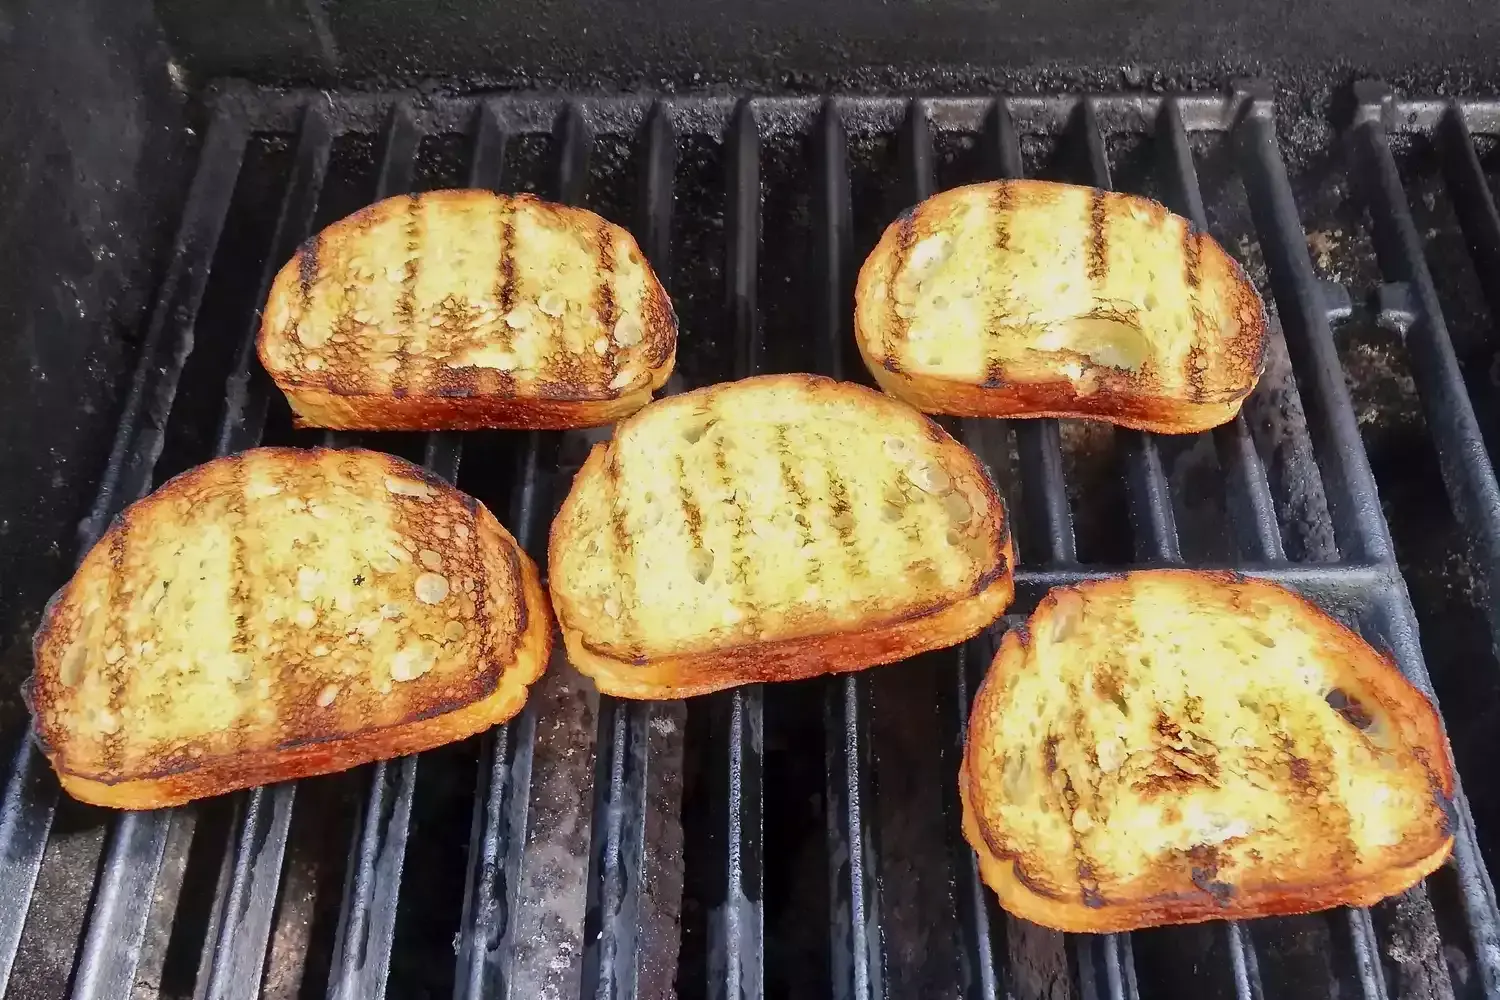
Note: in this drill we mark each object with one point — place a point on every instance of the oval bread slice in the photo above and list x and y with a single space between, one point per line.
770 529
277 614
1034 299
467 309
1173 746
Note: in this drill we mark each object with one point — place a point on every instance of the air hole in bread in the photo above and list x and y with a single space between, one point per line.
1104 340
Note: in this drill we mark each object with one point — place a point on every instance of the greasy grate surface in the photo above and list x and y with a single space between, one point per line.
798 840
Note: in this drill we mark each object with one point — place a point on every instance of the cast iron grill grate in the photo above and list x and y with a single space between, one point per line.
757 214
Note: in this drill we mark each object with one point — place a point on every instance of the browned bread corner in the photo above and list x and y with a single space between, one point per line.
1173 746
770 529
467 309
282 613
1033 299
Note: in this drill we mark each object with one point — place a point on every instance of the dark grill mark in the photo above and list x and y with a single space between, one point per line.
691 512
239 595
843 523
604 298
307 264
896 326
1005 197
739 561
110 756
794 486
406 305
1192 250
1098 249
1023 877
505 280
620 536
1049 752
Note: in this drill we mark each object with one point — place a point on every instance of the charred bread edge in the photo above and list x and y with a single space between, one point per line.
792 658
320 407
1057 398
998 870
214 776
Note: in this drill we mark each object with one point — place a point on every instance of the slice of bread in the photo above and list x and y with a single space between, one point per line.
467 309
281 613
1173 746
770 529
1033 299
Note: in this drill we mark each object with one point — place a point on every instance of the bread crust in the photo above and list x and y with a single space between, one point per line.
321 407
710 667
498 692
693 674
356 338
1163 900
1219 369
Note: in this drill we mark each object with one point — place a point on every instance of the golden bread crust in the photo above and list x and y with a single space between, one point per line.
467 309
722 539
1033 299
1149 799
261 618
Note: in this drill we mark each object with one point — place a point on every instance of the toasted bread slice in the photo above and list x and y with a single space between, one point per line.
467 309
1032 299
770 529
281 613
1173 746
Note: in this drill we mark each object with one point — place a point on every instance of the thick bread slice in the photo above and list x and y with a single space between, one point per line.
1172 746
774 528
1032 299
467 309
281 613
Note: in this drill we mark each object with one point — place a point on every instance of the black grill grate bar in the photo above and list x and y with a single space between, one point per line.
833 235
736 926
1358 519
372 885
1044 493
1473 201
611 931
1359 525
1467 473
1455 431
242 915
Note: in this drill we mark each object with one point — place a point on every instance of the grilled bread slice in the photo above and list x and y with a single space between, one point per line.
1175 746
467 309
281 613
770 529
1032 299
